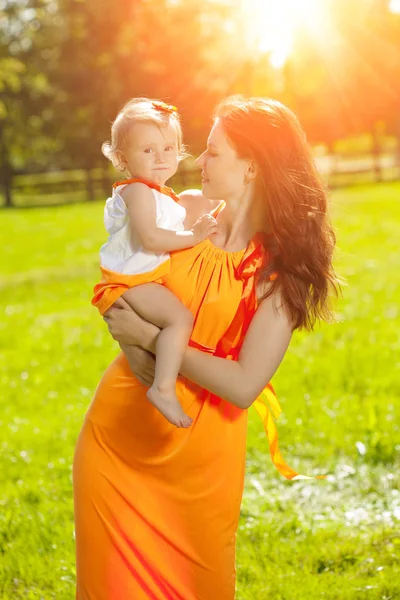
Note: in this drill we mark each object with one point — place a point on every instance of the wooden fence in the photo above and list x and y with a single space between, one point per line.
63 187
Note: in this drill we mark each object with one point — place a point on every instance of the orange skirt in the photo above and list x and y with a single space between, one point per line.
113 285
157 507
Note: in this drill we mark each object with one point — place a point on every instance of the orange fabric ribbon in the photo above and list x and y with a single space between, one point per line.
164 189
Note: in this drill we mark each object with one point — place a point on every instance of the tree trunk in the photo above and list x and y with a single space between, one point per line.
7 194
6 176
6 181
398 143
398 152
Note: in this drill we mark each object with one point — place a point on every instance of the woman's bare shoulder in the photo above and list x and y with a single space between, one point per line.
189 198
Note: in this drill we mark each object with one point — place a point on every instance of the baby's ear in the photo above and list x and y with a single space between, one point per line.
120 161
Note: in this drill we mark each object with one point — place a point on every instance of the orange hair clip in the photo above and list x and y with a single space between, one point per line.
164 107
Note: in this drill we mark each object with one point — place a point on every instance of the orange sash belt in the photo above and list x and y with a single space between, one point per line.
268 408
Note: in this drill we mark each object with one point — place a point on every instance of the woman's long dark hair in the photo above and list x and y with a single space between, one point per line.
298 231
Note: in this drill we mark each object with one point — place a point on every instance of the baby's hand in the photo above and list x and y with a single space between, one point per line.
204 227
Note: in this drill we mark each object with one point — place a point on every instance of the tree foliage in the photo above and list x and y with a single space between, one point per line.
67 66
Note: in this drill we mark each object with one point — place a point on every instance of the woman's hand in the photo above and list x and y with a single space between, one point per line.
124 325
133 335
141 362
128 328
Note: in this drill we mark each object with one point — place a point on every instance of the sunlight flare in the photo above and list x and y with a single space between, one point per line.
271 26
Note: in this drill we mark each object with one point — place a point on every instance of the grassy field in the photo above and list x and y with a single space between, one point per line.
334 539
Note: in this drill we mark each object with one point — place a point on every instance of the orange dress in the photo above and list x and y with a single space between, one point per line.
157 507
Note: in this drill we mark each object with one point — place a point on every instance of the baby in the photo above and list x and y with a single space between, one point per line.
145 222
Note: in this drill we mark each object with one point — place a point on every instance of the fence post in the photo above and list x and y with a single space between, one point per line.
376 153
89 185
105 183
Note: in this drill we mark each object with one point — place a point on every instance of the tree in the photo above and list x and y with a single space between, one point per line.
343 81
25 91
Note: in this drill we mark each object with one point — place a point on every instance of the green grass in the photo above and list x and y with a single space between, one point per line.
334 539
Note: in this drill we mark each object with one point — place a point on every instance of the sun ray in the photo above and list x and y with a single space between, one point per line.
271 26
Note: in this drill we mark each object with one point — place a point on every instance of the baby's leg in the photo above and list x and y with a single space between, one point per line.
158 305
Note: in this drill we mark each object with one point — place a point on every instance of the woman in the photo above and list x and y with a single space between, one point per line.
157 508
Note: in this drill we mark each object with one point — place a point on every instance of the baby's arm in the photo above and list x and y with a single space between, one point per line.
141 206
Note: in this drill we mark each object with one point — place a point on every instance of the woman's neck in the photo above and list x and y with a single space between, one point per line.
242 218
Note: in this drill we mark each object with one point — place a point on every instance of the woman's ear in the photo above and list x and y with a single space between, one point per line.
251 171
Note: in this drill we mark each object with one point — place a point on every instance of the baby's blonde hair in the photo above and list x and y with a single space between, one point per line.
139 110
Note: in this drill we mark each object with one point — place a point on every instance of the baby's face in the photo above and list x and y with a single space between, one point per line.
151 152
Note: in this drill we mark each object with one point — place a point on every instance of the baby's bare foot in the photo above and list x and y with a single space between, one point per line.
169 406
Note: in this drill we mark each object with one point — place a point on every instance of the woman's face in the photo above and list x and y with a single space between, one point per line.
224 174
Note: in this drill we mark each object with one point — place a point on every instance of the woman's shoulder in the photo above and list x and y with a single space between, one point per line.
191 199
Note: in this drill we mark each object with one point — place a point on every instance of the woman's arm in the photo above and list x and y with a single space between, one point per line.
139 200
263 349
238 382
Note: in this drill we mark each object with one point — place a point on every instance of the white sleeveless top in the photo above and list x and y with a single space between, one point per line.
123 252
